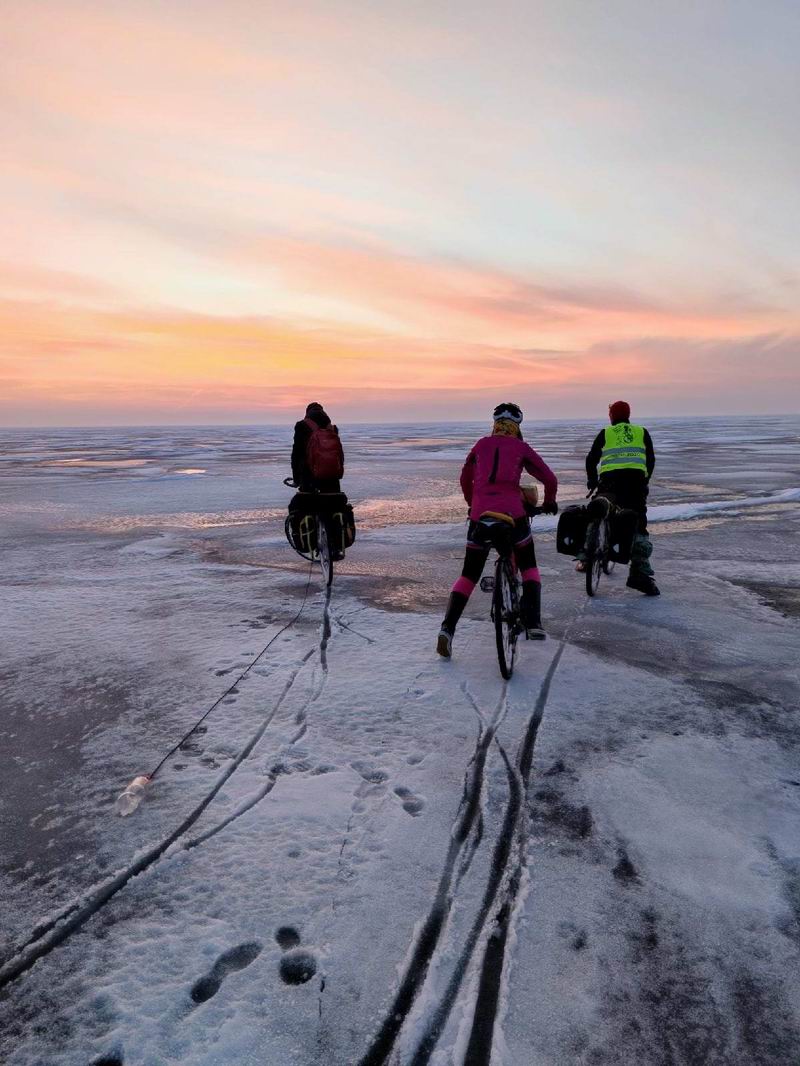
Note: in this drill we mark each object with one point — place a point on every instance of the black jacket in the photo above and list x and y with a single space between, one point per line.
302 431
593 460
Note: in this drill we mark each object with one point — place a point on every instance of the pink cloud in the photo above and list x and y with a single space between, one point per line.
453 299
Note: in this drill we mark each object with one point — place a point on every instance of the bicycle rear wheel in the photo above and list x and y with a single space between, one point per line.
324 549
505 608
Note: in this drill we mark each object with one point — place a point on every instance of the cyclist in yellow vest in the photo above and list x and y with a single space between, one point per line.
620 465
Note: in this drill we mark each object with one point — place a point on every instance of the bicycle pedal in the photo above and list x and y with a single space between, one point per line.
487 584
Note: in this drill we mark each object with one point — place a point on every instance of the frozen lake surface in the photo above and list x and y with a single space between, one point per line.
363 868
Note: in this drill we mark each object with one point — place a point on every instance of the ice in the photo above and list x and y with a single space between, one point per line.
656 916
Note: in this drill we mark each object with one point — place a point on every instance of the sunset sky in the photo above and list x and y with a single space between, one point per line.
215 212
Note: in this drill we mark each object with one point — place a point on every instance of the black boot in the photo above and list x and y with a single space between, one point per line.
643 583
531 610
455 608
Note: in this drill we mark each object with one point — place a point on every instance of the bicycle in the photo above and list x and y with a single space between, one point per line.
505 586
315 538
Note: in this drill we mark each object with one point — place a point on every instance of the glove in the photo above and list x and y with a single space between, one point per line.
591 485
550 508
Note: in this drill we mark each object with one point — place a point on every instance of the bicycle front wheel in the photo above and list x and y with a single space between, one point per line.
324 549
506 613
594 559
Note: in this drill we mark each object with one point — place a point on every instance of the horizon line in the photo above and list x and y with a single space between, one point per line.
382 422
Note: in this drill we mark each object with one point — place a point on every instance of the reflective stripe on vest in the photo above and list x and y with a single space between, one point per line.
623 449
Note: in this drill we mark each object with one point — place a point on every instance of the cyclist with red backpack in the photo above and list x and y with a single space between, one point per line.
317 469
317 455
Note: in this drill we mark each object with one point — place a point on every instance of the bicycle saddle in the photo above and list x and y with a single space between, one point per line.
490 517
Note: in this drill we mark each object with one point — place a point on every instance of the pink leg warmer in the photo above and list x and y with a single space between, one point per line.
464 586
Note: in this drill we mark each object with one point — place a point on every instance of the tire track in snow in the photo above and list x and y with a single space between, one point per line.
301 720
494 963
427 938
49 934
500 894
54 931
498 873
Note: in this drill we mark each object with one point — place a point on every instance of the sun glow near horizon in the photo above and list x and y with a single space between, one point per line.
209 213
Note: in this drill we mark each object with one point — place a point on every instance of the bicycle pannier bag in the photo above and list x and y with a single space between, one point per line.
571 533
301 523
623 529
349 526
341 520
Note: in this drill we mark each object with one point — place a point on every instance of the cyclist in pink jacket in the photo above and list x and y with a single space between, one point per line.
490 482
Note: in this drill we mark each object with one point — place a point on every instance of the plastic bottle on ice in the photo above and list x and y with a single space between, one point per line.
130 799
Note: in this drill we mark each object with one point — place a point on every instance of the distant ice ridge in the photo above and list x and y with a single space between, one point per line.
671 512
668 512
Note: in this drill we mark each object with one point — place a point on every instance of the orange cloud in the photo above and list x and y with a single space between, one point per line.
73 360
451 299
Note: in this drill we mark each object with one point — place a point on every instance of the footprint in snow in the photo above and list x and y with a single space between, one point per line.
287 937
369 773
324 768
625 872
412 804
238 958
297 965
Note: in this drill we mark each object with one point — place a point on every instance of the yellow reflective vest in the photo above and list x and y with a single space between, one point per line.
623 449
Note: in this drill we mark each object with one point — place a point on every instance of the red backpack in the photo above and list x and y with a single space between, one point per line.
324 452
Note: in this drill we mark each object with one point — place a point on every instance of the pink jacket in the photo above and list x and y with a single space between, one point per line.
490 478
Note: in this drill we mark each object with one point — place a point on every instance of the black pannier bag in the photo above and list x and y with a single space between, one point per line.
349 526
571 533
623 529
301 522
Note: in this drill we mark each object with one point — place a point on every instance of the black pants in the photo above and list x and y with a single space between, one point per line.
628 489
478 549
